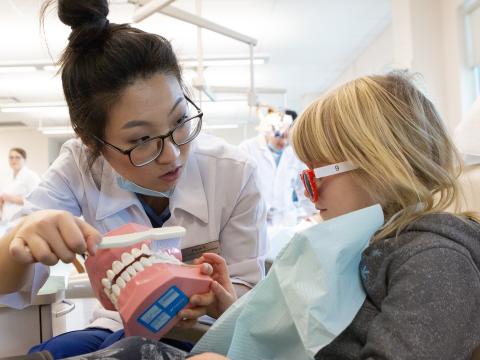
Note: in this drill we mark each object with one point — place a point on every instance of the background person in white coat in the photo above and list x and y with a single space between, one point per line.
23 182
278 168
138 159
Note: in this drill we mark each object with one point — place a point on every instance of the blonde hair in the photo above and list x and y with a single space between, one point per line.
386 126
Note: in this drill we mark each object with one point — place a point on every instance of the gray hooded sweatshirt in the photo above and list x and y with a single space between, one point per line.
423 295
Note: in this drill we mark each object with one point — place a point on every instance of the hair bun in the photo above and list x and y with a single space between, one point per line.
76 13
88 20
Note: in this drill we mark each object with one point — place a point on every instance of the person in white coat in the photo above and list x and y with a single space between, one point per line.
138 159
23 182
279 169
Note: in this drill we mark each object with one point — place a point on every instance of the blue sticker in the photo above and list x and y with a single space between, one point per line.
163 310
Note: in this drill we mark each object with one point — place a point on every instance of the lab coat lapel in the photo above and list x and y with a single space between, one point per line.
266 153
112 198
189 194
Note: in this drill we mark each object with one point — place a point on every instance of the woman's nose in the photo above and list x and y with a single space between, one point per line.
170 152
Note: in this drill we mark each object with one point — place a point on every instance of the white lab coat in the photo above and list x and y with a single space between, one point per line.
278 182
21 185
216 198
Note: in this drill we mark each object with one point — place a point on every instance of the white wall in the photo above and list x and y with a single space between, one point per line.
35 144
376 58
426 37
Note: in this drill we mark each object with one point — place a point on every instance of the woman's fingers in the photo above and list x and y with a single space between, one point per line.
49 235
20 251
206 299
41 250
90 235
193 313
57 244
71 234
223 296
206 269
186 324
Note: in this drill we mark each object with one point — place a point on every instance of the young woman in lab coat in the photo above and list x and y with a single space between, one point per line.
138 158
23 182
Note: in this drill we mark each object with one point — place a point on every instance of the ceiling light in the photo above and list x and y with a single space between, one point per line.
16 69
34 107
220 62
221 126
51 68
57 130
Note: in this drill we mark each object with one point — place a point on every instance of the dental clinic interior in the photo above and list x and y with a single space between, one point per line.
240 179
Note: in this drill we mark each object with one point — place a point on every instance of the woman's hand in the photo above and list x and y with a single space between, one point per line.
222 289
199 303
48 236
12 198
218 299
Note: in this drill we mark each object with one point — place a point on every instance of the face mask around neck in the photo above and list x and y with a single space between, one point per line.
128 185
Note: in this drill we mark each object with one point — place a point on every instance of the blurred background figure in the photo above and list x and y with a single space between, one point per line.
23 182
278 168
467 139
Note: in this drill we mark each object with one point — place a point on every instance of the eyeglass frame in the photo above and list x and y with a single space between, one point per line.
308 176
162 137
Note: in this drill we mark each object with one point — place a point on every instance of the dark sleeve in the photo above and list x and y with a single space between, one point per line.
431 311
135 347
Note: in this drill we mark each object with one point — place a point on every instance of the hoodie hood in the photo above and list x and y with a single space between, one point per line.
463 231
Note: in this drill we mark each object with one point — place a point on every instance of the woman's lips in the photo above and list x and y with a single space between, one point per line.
171 176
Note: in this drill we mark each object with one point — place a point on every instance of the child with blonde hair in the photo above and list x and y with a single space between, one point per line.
378 139
421 270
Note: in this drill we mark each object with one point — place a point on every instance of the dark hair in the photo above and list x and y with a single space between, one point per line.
101 60
21 151
292 113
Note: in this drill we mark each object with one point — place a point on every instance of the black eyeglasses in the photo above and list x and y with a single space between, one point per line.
149 150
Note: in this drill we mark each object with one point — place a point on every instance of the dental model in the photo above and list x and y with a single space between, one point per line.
148 288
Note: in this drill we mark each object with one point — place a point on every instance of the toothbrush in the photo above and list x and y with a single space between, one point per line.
117 241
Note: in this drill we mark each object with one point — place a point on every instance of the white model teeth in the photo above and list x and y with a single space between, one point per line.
127 259
145 262
107 284
146 250
116 290
130 265
138 266
126 276
110 275
136 252
121 283
117 266
131 271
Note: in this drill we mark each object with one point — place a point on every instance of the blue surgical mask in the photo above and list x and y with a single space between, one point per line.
310 295
275 149
132 187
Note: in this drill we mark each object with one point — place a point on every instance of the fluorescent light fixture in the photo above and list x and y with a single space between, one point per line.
29 109
57 130
16 69
51 67
220 62
187 62
58 107
221 126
